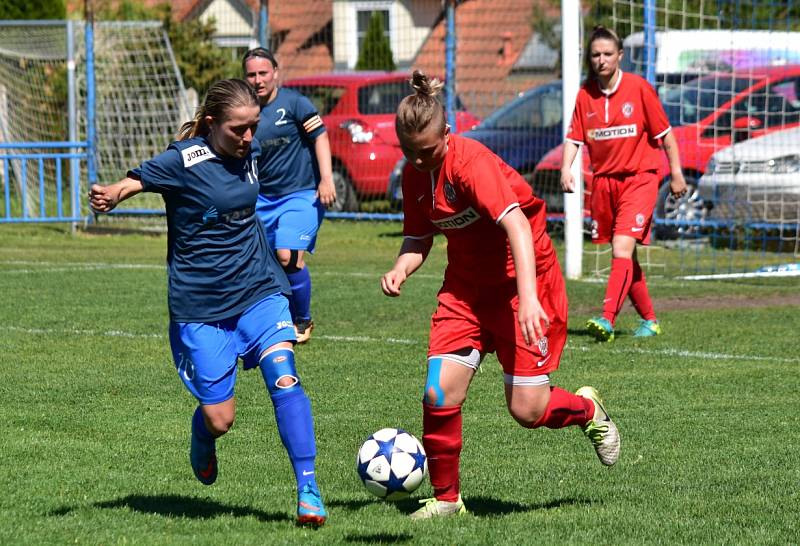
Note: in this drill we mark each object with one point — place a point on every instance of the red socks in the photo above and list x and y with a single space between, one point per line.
565 409
442 440
619 283
640 296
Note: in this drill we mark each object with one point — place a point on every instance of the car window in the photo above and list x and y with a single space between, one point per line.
694 100
323 97
382 98
534 111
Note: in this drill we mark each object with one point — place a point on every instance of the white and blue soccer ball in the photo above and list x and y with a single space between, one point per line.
392 463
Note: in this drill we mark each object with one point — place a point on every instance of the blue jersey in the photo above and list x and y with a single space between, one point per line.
287 129
218 260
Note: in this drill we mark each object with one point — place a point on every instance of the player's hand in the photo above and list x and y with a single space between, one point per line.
567 182
326 192
533 321
392 281
677 185
103 198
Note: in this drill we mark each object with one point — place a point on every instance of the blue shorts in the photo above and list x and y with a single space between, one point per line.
291 221
205 353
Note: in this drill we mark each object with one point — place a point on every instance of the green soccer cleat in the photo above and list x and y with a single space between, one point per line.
647 328
600 328
434 508
310 509
203 457
600 429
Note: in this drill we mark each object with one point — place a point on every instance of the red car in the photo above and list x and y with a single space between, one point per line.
707 114
358 109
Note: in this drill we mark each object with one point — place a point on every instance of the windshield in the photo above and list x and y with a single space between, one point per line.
537 110
323 97
696 99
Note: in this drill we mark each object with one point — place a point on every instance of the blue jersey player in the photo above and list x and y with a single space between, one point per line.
226 291
295 175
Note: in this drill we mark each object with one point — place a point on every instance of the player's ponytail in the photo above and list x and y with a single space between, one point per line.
422 109
221 97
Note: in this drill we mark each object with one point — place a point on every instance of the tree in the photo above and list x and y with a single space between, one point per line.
32 9
376 52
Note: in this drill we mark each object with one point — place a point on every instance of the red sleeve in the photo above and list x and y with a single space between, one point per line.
655 119
485 182
415 223
575 130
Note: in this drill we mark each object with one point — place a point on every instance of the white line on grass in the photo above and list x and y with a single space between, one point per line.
61 267
401 341
685 353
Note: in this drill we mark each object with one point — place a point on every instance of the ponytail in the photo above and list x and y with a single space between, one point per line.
422 109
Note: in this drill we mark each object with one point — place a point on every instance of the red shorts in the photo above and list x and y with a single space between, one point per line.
489 324
623 205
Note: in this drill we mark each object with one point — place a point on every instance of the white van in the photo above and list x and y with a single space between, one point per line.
685 54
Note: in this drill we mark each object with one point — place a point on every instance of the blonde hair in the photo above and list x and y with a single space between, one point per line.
422 109
222 97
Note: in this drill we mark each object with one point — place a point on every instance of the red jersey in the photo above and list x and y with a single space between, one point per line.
465 200
621 126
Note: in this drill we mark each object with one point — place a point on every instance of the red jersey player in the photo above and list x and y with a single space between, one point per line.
619 117
503 291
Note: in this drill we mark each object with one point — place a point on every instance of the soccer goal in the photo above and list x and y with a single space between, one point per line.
140 102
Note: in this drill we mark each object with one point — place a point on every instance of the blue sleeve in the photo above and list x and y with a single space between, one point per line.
309 118
162 174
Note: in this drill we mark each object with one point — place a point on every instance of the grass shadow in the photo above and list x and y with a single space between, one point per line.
176 506
379 538
484 507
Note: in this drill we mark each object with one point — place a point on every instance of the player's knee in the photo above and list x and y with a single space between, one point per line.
219 423
527 417
279 372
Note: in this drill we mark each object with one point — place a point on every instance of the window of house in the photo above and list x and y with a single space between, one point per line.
362 23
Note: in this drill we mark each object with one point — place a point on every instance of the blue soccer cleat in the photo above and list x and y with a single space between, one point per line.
647 328
203 457
310 509
600 328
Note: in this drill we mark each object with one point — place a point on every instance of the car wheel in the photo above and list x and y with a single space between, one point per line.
689 208
346 198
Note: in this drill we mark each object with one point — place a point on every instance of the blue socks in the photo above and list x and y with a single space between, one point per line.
296 428
199 428
300 301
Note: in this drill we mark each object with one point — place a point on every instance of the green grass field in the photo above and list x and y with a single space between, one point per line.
95 421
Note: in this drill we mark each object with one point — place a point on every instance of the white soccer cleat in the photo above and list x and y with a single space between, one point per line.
600 429
434 508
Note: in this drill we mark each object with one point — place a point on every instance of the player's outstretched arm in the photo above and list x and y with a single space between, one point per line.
412 255
326 191
105 198
569 151
533 320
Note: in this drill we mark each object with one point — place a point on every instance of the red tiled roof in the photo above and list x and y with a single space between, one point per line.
305 28
491 35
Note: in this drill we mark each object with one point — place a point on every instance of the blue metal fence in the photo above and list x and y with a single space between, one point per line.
41 181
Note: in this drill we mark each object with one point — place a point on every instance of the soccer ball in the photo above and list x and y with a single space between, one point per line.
391 463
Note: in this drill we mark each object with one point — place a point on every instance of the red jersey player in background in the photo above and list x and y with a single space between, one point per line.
503 291
619 117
